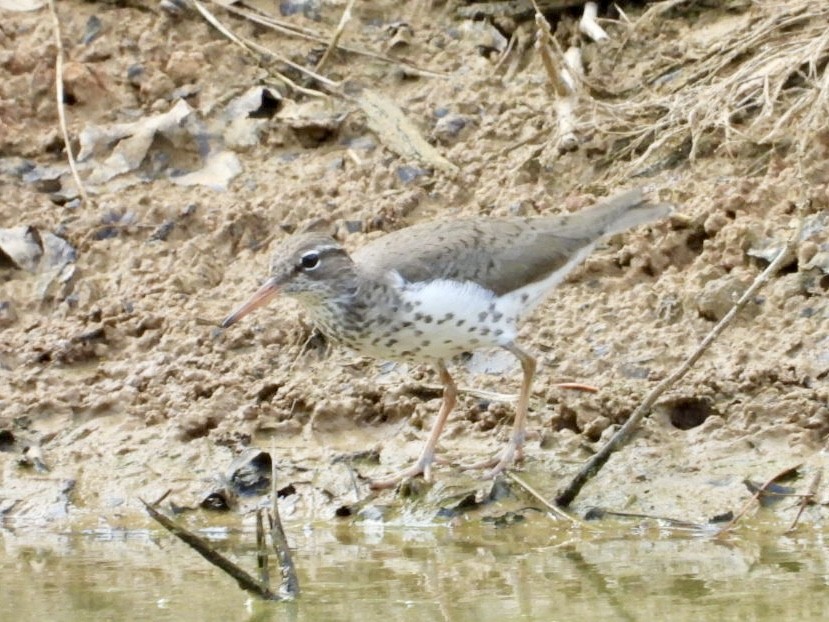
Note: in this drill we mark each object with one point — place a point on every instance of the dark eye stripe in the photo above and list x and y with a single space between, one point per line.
322 252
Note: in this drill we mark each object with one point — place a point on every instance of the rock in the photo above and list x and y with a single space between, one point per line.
450 128
184 66
8 316
718 296
81 85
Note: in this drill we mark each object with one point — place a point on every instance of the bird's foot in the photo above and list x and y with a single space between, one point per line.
500 462
423 467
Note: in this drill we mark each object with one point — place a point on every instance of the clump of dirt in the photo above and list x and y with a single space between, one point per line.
118 383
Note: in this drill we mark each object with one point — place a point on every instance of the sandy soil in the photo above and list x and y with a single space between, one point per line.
116 382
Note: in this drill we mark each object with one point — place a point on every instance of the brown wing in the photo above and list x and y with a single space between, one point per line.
502 254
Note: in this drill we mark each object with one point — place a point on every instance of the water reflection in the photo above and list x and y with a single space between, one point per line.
531 571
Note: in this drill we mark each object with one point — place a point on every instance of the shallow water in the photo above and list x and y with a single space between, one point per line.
537 570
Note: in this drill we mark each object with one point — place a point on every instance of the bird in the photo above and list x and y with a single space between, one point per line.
432 291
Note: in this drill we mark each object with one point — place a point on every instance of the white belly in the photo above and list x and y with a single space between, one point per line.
441 319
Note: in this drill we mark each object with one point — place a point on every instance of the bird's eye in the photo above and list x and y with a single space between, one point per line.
309 261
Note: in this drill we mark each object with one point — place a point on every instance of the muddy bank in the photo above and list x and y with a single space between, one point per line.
118 383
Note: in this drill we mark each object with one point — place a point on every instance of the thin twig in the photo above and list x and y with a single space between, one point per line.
507 398
808 498
61 110
623 435
344 19
331 84
538 497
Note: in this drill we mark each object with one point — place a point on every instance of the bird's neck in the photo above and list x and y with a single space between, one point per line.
349 306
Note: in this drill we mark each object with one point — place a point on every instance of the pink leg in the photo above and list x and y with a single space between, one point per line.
423 465
513 452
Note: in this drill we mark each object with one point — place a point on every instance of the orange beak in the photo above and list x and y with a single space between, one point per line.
261 297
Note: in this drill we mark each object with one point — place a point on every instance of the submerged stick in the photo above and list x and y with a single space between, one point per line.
290 583
206 550
756 497
673 523
261 550
551 509
289 588
808 498
623 435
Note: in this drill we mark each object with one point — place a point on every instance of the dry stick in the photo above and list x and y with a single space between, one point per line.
756 496
344 19
203 548
61 111
554 73
565 90
290 583
331 84
538 497
588 24
592 467
808 498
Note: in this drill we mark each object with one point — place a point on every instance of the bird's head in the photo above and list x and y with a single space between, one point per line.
311 267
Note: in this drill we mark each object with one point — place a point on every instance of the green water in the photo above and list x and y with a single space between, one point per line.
537 570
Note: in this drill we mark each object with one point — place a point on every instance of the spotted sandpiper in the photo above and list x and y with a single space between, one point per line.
432 291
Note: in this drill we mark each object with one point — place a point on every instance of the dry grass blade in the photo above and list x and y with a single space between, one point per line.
255 50
335 39
397 132
213 21
764 81
293 30
59 100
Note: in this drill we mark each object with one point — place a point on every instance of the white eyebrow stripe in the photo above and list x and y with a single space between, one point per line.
322 249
